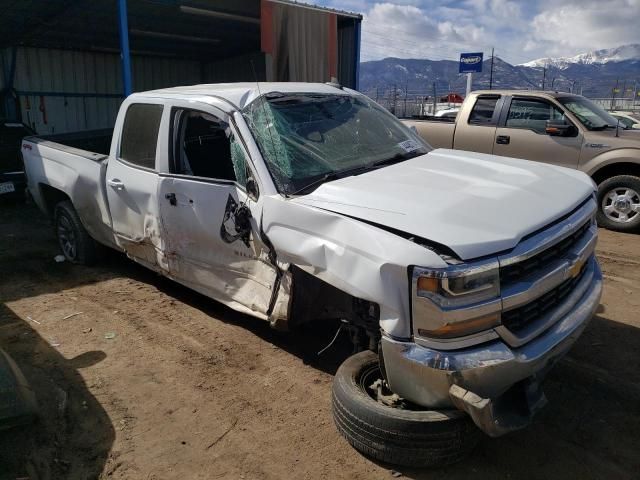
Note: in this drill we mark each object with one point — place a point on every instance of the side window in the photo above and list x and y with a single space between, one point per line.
140 134
532 114
482 112
204 146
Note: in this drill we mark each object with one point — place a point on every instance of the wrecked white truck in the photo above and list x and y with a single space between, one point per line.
461 277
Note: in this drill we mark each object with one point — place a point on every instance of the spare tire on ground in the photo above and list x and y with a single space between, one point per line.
401 435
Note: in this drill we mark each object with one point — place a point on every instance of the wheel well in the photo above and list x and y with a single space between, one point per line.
315 299
614 169
51 196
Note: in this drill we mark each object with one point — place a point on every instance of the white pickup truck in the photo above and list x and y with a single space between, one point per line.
461 277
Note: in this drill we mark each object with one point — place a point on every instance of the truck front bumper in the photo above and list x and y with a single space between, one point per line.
497 385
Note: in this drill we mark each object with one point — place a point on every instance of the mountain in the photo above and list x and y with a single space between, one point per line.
618 54
594 74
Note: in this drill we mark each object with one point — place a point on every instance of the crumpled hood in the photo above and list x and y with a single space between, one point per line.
475 204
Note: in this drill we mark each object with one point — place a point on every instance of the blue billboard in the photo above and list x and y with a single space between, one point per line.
470 62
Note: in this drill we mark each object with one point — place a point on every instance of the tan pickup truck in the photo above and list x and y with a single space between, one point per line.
552 127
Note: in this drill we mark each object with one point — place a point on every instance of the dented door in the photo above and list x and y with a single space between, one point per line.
207 247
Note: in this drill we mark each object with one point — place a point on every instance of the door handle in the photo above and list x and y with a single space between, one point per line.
503 139
115 184
172 199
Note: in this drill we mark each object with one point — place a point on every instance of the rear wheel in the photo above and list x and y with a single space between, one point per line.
387 428
75 242
619 203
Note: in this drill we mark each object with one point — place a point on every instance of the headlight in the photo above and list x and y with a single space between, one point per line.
458 286
456 301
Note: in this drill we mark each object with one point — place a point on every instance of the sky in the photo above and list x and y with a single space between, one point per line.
519 30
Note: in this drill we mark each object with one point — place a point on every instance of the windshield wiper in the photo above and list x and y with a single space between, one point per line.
335 175
397 158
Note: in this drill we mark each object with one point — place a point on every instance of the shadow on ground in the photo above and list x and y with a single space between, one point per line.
73 435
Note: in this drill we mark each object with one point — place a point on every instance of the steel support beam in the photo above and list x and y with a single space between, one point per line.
125 54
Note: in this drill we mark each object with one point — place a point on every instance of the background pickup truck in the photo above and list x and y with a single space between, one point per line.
460 277
551 127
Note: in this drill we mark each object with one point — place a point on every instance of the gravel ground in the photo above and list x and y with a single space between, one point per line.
138 377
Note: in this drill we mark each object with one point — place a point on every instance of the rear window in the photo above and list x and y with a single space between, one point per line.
482 112
140 134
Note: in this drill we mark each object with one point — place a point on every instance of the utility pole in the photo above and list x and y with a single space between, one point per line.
406 91
491 71
377 88
613 96
435 100
544 75
395 97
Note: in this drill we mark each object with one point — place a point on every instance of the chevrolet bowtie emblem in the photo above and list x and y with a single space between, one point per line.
575 269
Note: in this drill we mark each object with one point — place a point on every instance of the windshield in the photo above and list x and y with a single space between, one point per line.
307 139
592 116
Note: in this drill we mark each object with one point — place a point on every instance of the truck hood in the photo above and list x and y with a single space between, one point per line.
473 203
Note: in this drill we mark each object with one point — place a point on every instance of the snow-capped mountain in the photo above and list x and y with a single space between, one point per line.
617 54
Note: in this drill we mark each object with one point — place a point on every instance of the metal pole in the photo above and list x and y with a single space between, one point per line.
469 78
491 71
125 54
435 100
613 96
544 76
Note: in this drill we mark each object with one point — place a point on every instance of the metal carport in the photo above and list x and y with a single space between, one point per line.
66 65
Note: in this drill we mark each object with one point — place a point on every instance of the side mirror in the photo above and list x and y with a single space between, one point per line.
559 128
252 188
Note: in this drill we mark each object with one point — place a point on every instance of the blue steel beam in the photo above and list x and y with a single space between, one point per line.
125 54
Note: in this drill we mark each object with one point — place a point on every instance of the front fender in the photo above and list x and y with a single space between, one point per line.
359 259
619 155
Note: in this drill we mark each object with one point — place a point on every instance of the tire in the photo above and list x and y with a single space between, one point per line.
410 438
75 242
620 187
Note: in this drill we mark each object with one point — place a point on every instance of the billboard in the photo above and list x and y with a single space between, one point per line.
470 62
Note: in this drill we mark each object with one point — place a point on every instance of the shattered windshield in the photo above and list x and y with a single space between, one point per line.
591 115
307 139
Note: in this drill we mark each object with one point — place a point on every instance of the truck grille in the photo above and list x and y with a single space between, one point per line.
513 273
518 318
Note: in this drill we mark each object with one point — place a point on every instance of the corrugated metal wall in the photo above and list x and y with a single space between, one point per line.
237 69
65 91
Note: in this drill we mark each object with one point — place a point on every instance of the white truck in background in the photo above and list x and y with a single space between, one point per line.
462 277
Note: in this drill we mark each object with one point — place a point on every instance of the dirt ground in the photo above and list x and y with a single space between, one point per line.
140 378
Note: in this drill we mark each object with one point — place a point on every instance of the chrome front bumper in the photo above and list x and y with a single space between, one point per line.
425 375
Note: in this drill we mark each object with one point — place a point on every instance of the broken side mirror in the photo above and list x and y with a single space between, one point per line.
252 188
560 128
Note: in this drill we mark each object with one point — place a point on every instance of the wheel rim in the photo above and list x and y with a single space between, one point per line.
67 238
621 205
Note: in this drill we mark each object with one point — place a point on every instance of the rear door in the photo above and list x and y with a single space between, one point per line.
477 132
204 205
132 184
521 133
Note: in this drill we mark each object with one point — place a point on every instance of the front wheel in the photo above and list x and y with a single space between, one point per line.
389 429
75 242
619 203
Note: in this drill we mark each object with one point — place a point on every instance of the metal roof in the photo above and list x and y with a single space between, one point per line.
203 30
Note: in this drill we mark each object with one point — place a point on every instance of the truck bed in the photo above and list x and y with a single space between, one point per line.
72 166
92 144
438 133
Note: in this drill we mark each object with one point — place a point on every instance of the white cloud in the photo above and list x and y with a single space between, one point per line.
520 30
578 26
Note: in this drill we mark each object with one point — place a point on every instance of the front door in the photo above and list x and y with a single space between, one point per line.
132 183
523 134
210 224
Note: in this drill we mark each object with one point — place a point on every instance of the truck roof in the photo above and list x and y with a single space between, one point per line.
535 93
241 94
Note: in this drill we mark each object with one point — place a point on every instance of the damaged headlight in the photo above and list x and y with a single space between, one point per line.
465 299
